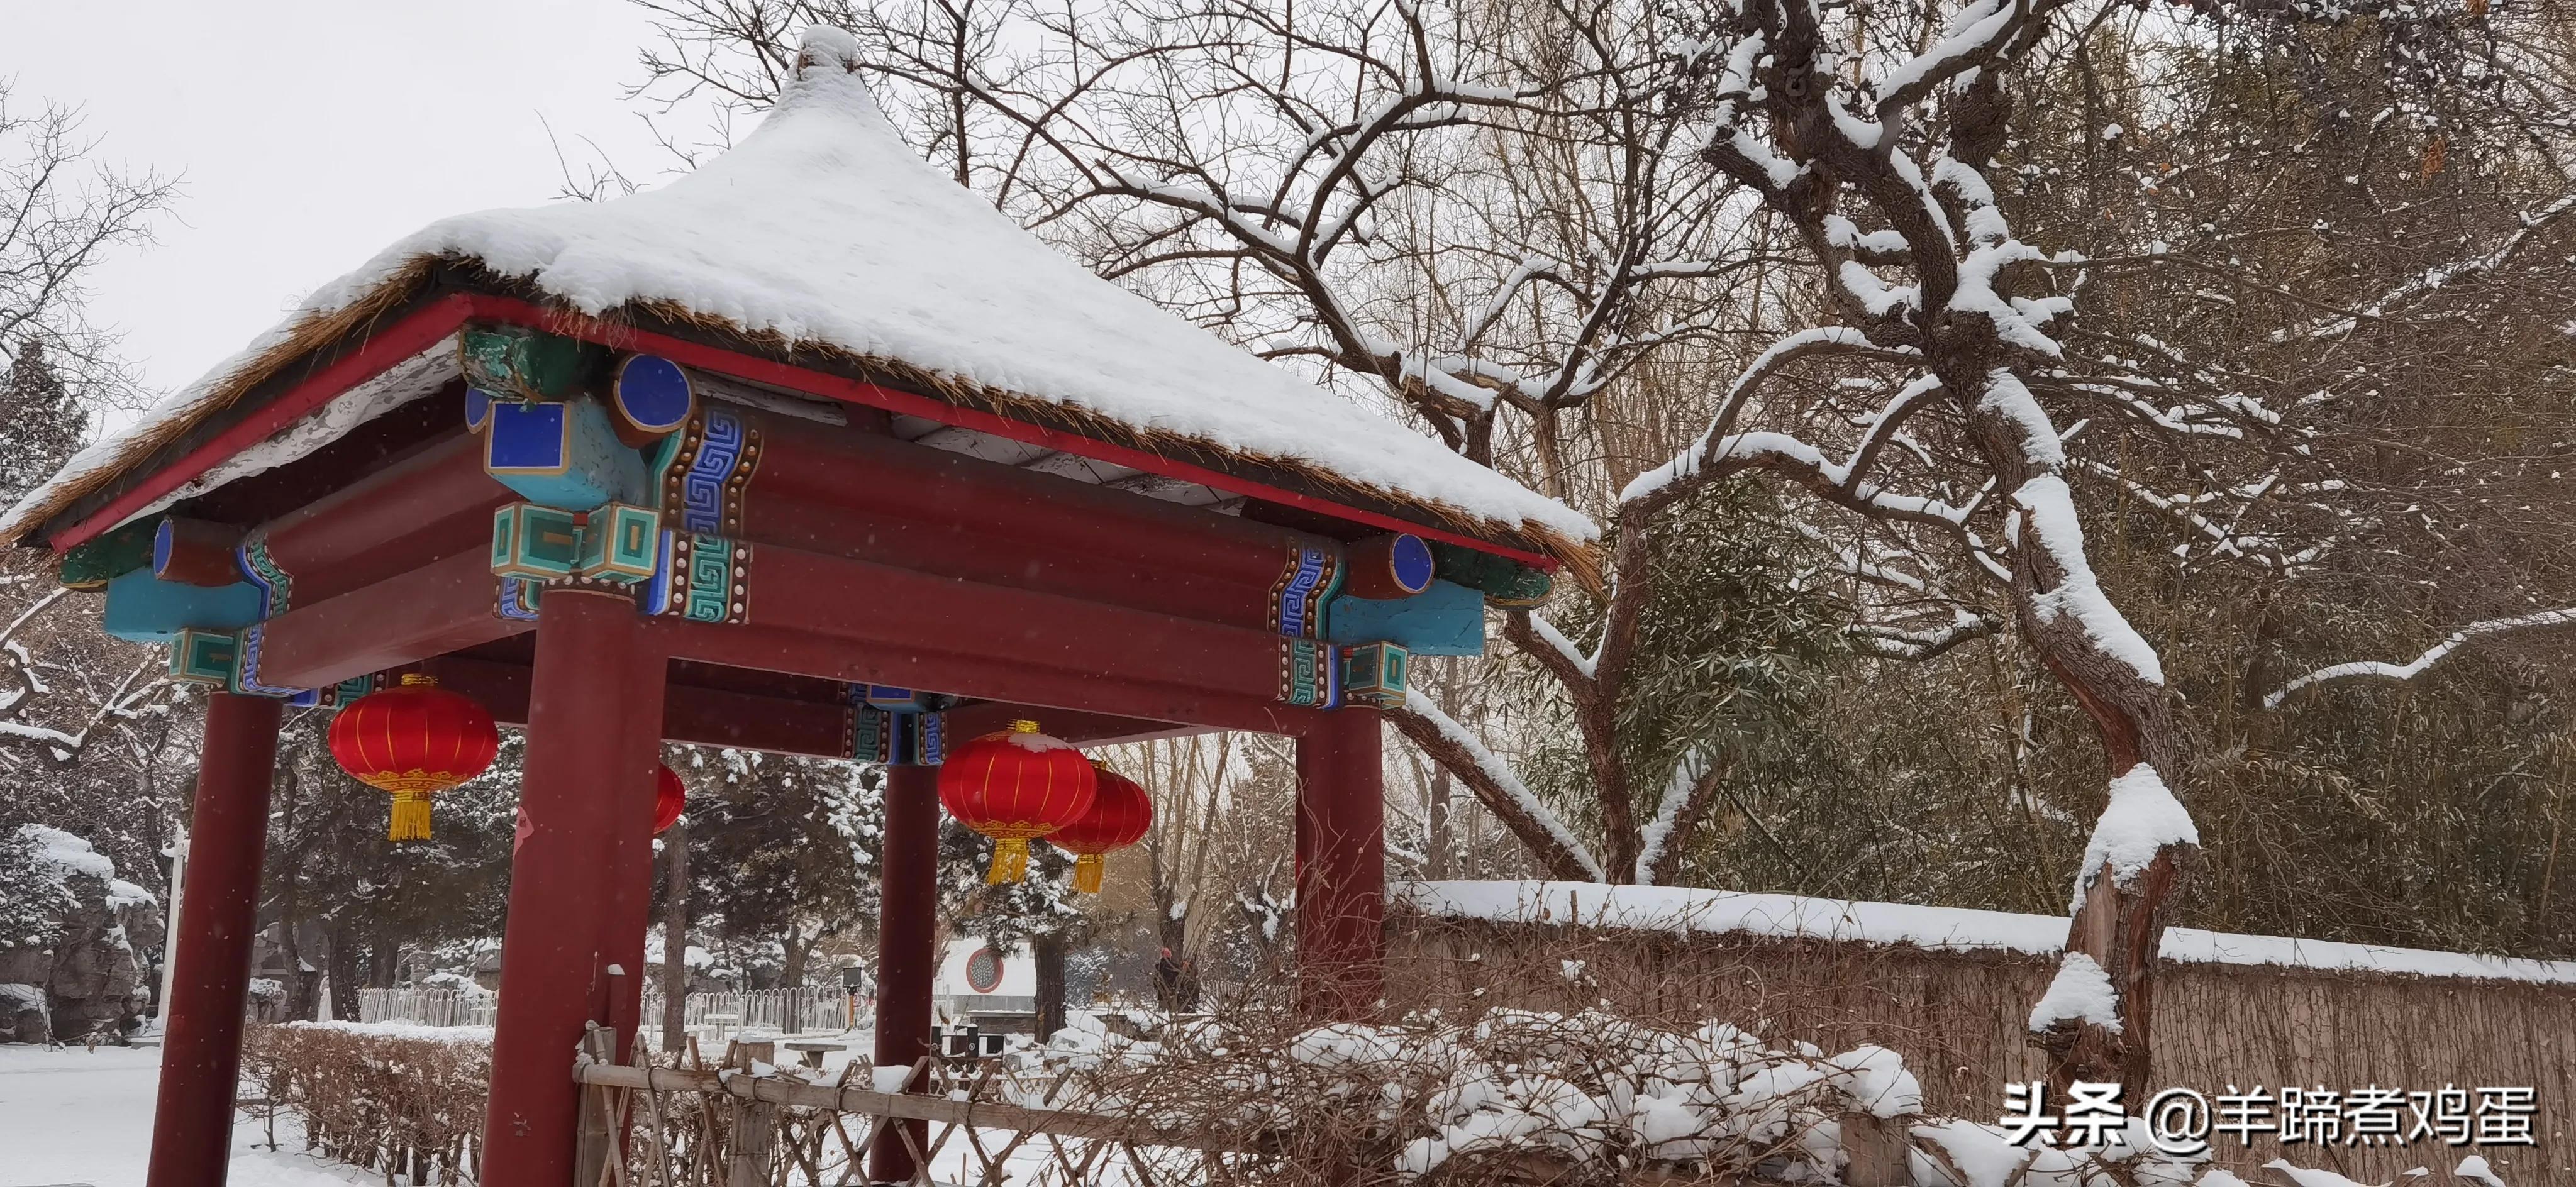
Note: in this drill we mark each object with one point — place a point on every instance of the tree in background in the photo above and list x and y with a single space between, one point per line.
90 736
771 870
352 905
44 425
61 212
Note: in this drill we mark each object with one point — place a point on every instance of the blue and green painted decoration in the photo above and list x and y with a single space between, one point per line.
700 577
897 726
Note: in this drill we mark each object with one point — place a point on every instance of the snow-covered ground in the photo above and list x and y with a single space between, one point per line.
76 1116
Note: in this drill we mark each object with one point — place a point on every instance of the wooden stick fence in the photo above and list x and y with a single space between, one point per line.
650 1125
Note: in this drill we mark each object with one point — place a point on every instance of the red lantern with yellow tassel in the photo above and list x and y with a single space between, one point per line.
1120 813
1015 786
414 741
670 798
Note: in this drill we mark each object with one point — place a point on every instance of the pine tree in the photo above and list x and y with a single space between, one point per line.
41 424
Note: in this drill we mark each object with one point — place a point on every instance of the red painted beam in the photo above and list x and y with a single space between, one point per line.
971 673
192 1122
856 620
845 620
867 496
783 725
436 503
1073 725
860 601
444 606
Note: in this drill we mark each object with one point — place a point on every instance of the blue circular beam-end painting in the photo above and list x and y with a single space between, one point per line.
653 394
478 409
1411 561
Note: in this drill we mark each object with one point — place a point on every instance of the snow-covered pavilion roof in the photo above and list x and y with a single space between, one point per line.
823 232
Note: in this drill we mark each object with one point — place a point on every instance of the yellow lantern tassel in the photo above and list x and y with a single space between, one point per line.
1010 861
411 817
1087 870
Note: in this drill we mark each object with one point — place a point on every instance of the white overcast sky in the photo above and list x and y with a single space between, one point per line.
309 134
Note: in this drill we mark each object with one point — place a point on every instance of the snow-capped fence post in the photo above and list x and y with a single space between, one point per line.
599 1120
755 1123
192 1121
1876 1150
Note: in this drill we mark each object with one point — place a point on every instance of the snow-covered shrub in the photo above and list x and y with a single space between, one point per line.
406 1099
1524 1097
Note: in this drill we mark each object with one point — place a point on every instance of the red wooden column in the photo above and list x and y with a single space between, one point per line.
631 914
585 763
907 959
192 1123
1341 867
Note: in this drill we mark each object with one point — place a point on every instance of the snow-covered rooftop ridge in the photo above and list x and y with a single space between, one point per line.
823 228
1684 910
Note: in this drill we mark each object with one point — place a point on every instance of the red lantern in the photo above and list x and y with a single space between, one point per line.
1015 786
670 798
414 741
1120 813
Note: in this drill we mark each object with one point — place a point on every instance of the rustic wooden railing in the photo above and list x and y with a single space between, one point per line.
645 1124
649 1123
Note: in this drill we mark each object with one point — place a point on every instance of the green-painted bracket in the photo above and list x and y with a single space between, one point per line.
519 363
142 608
1445 619
204 657
1505 583
120 550
1375 674
616 543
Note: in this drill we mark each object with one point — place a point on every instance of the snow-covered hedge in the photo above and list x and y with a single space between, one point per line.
404 1099
1586 1098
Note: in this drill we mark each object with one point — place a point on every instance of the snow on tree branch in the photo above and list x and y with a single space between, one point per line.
2384 670
1496 785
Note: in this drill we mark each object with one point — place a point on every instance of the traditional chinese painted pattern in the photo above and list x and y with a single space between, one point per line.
703 485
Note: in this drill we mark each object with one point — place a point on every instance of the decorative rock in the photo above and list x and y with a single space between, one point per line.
84 974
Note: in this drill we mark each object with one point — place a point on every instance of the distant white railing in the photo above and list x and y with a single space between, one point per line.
427 1007
785 1011
961 1005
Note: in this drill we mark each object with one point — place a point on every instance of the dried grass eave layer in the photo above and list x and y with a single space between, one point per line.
321 331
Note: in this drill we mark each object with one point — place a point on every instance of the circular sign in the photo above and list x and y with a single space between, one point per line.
984 971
